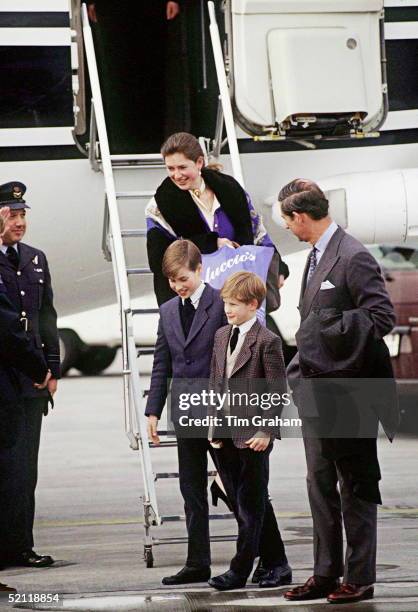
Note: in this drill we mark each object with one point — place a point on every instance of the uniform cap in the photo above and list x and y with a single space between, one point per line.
11 194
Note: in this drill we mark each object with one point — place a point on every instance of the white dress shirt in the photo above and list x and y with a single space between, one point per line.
4 248
243 330
195 297
323 241
209 215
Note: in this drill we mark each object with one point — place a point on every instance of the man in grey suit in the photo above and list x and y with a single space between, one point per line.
345 313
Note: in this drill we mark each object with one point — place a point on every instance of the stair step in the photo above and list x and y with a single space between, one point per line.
137 157
133 233
146 351
136 311
184 540
161 475
138 271
172 518
146 161
133 195
165 443
138 166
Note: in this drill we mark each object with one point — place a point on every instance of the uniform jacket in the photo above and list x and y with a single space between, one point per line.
175 356
29 289
259 368
15 352
345 313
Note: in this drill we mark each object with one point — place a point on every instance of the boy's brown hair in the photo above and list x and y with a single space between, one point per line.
244 287
180 254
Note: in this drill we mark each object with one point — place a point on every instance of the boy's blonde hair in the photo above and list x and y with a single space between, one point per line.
244 287
180 254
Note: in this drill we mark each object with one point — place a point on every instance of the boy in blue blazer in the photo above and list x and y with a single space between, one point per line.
186 332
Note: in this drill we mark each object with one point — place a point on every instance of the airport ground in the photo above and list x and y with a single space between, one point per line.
89 517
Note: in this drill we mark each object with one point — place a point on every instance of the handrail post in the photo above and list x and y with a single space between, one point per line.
93 140
224 93
106 163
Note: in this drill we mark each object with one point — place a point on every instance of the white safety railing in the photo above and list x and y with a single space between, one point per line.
224 95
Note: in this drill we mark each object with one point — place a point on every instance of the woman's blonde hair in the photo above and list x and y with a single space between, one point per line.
183 142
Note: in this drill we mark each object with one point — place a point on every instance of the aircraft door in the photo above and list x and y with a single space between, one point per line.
307 68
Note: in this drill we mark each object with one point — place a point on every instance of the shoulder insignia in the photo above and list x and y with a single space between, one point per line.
35 260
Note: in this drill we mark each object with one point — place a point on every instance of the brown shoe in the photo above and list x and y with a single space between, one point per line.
6 589
350 593
313 588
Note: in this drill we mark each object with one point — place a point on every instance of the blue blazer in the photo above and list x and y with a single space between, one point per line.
178 357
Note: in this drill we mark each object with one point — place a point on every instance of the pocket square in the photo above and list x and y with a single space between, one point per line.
327 285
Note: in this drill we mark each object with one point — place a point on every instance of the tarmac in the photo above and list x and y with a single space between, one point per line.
89 518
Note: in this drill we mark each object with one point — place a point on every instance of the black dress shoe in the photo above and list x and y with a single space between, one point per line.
29 558
6 589
314 588
259 572
277 576
188 575
228 581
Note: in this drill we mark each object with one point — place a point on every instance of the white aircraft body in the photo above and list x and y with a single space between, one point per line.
370 173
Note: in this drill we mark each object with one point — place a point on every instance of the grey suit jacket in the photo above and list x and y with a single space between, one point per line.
177 357
342 327
259 368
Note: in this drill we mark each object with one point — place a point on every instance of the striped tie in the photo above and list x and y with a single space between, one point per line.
312 264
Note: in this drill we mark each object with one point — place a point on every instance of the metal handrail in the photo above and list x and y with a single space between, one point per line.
225 99
106 163
134 420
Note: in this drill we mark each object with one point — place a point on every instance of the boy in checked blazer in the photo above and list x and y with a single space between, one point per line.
246 358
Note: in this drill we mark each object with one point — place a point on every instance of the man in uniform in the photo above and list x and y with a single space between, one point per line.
15 352
26 278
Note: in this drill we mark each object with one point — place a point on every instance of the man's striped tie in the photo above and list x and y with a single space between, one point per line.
312 263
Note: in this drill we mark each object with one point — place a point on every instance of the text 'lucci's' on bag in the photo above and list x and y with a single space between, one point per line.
218 266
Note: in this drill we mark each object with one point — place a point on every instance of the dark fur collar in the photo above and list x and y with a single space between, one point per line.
180 211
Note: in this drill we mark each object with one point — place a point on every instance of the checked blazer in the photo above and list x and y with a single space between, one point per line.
259 369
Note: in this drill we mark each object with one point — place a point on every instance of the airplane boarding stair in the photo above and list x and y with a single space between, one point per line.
122 176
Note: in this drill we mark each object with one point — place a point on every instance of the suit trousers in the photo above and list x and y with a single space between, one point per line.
193 477
19 474
245 475
331 508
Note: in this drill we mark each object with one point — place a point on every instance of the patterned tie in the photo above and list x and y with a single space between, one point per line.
234 339
13 257
187 313
312 264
